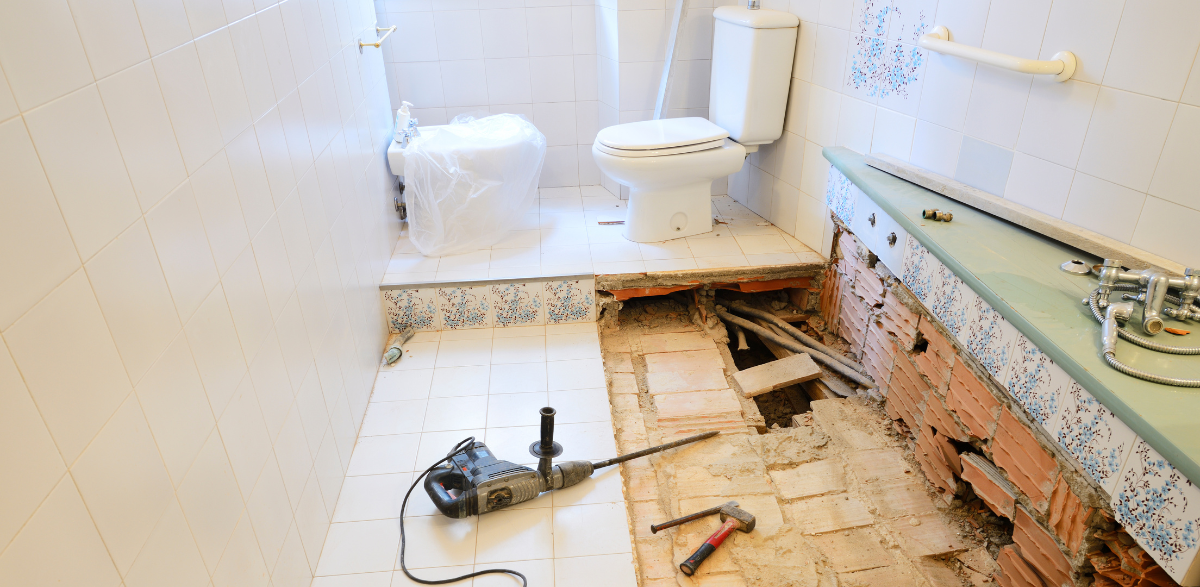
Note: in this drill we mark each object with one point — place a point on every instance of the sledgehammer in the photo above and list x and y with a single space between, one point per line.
735 518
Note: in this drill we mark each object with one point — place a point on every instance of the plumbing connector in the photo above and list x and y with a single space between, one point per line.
1108 331
937 215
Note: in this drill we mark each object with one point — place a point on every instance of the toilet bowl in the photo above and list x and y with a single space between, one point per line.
669 166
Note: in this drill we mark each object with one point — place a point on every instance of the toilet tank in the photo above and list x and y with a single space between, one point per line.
751 72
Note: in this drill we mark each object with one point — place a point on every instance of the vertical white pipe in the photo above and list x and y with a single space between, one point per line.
664 84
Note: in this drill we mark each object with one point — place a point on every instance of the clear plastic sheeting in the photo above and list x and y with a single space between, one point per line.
469 182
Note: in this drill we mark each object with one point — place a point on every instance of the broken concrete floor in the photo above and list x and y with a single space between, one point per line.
838 499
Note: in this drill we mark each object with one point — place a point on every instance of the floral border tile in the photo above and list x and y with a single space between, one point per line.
953 302
840 195
990 338
464 307
570 301
411 307
517 304
1160 508
1036 382
920 271
1093 435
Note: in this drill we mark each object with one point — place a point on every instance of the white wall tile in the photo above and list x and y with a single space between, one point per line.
997 105
983 165
458 34
57 68
946 92
583 30
587 77
111 34
299 142
806 51
176 407
855 123
561 167
639 86
642 35
8 105
785 202
30 222
965 19
26 475
557 122
552 79
134 296
179 239
59 545
835 13
242 562
188 103
810 221
790 159
1056 120
164 24
1125 137
1176 176
1087 29
1165 228
299 42
1039 184
84 166
270 513
170 555
935 148
421 84
279 59
68 316
829 61
221 71
508 81
276 163
824 109
1154 48
420 39
205 16
464 83
1016 27
814 175
893 134
211 501
124 483
1092 201
221 210
504 33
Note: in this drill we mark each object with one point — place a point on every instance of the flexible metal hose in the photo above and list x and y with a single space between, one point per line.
1135 339
1126 369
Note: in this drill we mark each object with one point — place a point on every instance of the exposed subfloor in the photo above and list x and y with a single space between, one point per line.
562 236
487 383
837 498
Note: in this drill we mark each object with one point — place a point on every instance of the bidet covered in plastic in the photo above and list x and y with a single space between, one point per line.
469 182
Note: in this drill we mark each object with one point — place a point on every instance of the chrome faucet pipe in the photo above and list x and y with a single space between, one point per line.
752 5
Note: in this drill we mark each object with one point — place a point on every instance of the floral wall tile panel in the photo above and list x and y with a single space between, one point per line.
871 18
901 76
864 67
1036 382
1093 435
411 307
839 195
952 301
990 338
909 19
921 270
464 307
570 301
1160 508
517 304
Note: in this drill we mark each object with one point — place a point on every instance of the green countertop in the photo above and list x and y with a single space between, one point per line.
1017 272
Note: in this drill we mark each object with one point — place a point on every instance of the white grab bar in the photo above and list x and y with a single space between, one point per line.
1062 66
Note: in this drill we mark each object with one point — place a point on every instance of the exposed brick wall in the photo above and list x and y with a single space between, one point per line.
970 399
1040 550
937 359
899 321
1014 571
1068 517
1028 465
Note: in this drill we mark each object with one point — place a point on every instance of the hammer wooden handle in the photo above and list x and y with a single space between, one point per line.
689 566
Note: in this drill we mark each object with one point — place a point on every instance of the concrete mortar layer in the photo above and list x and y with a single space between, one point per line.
812 265
1058 508
839 498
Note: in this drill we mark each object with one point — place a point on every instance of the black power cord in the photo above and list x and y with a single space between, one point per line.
458 448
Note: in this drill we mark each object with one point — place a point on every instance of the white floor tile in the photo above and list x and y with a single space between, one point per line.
358 580
537 572
563 347
460 381
517 331
604 486
713 247
619 267
456 413
417 355
671 265
584 530
772 259
518 377
676 249
438 541
518 239
359 547
393 386
590 441
571 328
435 445
373 497
616 251
466 334
516 409
460 353
377 455
719 262
400 580
402 417
525 349
515 535
576 374
580 405
610 570
758 244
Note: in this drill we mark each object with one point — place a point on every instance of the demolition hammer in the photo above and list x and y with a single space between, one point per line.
472 481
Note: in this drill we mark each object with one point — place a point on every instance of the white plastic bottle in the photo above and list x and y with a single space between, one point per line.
402 118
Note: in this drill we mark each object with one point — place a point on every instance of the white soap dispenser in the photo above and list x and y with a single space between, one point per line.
402 118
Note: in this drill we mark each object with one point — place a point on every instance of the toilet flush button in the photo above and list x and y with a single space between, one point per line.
679 221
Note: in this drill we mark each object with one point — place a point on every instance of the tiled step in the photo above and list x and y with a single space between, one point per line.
495 303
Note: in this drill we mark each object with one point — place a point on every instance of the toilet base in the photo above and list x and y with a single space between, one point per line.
659 214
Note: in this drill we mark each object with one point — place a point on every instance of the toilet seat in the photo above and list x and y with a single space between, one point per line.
657 138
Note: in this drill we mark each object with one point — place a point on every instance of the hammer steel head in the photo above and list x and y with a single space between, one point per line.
746 519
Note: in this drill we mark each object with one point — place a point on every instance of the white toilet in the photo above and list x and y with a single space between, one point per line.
670 164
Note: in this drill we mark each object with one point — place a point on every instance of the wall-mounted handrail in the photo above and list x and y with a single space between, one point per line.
379 42
1062 66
